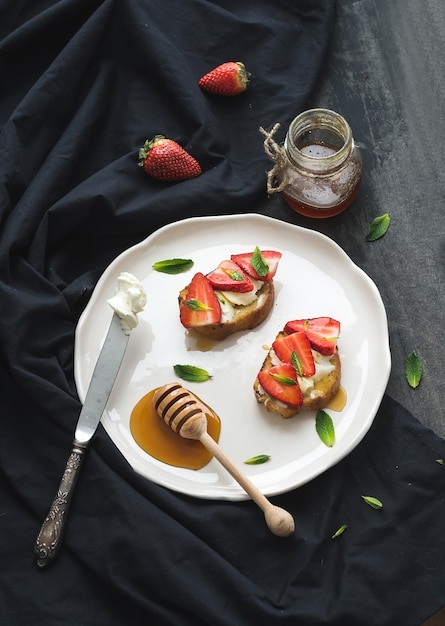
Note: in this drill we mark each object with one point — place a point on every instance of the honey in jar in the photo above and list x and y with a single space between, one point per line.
319 169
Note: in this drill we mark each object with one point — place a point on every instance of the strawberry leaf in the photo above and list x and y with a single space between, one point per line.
173 266
340 531
440 461
378 227
373 502
258 263
257 460
191 373
413 370
325 428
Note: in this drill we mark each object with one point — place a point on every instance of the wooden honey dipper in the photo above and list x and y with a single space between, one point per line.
181 411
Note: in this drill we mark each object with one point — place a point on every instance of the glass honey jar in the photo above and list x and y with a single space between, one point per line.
319 169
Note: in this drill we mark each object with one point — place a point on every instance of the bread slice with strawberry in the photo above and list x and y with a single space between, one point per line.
302 369
237 295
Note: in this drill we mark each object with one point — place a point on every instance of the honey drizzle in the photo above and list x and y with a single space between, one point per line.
338 402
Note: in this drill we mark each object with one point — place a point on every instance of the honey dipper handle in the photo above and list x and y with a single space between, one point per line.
279 521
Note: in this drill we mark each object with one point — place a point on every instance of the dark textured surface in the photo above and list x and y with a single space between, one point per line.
385 75
86 82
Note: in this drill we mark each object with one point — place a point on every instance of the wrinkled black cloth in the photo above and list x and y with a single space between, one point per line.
84 83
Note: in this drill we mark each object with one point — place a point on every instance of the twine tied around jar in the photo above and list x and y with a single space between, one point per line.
277 177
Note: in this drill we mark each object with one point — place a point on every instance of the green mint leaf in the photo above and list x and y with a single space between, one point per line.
259 263
325 428
373 502
197 305
191 373
234 275
378 227
173 266
257 460
340 531
296 362
284 380
413 370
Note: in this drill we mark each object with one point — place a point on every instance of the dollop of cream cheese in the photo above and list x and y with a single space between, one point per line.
129 300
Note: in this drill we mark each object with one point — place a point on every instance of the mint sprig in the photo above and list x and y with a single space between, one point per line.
197 305
325 428
413 370
296 363
259 263
173 266
234 275
191 373
284 380
258 459
340 531
373 502
378 227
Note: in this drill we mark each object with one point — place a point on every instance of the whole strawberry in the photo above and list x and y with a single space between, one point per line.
228 79
164 159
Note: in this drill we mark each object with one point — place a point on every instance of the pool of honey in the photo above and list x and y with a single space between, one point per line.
157 439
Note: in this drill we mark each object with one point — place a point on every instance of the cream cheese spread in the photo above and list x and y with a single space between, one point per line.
129 300
323 367
230 300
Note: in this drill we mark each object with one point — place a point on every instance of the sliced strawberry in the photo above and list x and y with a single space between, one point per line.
322 332
287 346
280 382
259 264
228 276
200 306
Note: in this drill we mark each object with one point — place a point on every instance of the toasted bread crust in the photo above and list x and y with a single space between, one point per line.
244 317
323 392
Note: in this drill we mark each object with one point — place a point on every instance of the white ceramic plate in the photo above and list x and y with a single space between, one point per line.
315 278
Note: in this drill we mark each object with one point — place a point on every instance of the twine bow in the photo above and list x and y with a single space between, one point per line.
277 177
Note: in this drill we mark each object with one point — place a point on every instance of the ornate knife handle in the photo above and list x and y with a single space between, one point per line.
50 537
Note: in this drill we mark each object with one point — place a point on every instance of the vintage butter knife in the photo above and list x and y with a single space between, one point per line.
110 358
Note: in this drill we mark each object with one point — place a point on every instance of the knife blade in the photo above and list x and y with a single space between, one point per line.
50 537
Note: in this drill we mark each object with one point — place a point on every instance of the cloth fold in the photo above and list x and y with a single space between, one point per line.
87 83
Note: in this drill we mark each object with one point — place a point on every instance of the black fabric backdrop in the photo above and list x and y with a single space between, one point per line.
84 83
